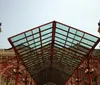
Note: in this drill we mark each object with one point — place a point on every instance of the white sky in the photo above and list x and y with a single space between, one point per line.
20 15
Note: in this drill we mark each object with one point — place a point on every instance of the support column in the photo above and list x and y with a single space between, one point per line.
97 80
90 79
26 79
17 73
89 74
78 77
31 82
71 81
52 47
7 82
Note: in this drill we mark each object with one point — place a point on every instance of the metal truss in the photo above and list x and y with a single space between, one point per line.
57 53
12 70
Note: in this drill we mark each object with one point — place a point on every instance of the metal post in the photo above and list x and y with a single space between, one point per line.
78 77
90 79
52 47
97 80
7 80
89 74
31 82
26 78
71 81
17 73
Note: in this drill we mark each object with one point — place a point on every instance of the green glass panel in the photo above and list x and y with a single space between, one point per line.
45 43
35 30
37 43
30 38
32 46
90 37
20 42
69 39
25 44
46 26
46 32
46 36
31 42
79 33
28 33
72 44
61 31
36 35
46 40
59 43
62 27
60 36
57 46
37 40
68 43
75 42
59 40
71 35
87 42
87 46
18 37
77 38
72 30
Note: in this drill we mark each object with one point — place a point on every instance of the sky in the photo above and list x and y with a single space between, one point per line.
17 16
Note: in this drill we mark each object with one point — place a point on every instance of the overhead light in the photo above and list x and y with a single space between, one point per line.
77 80
24 80
86 71
92 70
89 71
14 70
20 72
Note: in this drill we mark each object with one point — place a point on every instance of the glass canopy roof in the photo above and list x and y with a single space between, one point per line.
51 52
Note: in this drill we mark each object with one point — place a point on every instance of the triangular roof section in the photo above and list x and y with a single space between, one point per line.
51 52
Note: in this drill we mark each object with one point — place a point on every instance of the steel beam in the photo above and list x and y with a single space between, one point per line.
52 47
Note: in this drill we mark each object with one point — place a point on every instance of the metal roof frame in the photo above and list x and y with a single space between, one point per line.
53 49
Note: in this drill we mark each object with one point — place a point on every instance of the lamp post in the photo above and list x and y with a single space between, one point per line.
99 26
0 27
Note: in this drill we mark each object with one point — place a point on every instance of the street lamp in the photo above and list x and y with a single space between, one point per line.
0 27
99 26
